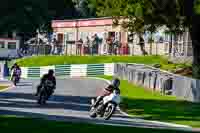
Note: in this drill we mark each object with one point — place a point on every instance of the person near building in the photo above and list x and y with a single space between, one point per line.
95 44
79 46
142 45
87 45
110 44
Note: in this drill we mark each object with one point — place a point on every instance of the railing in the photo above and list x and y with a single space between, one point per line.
156 80
178 49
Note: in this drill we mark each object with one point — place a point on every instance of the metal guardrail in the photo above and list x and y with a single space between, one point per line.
162 81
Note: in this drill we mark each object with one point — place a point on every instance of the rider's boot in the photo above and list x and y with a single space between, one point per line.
97 101
37 93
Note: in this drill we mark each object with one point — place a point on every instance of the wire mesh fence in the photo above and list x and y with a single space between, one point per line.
175 49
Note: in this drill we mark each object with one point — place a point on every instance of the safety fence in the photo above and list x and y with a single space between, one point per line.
157 48
157 80
75 70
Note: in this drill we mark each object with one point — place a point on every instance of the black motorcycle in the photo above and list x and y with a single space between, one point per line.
45 92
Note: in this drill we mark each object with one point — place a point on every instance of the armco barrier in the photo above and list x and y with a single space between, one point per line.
75 70
157 80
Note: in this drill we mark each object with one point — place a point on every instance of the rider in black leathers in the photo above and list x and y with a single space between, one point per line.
113 86
50 76
16 71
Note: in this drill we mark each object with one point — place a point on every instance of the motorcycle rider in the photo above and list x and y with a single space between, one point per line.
108 90
49 76
16 71
14 66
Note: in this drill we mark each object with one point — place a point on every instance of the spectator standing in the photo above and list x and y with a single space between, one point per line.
87 45
95 43
79 46
110 44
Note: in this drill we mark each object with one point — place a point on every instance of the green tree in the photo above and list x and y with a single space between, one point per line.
192 11
25 16
138 12
177 15
85 8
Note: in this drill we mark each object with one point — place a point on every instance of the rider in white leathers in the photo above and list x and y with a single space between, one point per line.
108 90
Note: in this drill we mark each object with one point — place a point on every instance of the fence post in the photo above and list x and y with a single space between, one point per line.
1 71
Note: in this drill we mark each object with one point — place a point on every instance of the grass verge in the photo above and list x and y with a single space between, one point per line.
3 87
149 105
58 60
13 124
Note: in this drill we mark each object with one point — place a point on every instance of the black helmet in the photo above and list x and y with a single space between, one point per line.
51 72
116 82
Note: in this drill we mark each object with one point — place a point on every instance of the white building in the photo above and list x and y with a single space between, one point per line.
9 47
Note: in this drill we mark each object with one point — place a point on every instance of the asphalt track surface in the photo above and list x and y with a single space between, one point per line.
70 102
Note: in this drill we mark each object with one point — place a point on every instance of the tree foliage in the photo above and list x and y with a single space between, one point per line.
144 14
28 15
176 15
85 8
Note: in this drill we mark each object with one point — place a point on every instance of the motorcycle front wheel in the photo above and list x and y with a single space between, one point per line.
42 98
93 113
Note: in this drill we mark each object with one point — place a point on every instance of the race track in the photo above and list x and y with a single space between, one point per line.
70 102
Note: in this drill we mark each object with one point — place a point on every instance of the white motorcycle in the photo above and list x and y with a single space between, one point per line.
106 107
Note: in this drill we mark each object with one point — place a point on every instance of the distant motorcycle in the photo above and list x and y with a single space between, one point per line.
106 107
15 78
45 92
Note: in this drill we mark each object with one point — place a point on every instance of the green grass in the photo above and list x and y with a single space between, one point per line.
2 87
58 60
149 105
24 125
168 66
53 60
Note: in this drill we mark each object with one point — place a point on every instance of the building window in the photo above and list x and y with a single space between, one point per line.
60 38
2 44
11 45
71 36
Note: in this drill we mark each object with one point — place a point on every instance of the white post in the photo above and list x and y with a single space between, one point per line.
6 44
133 45
1 71
186 40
